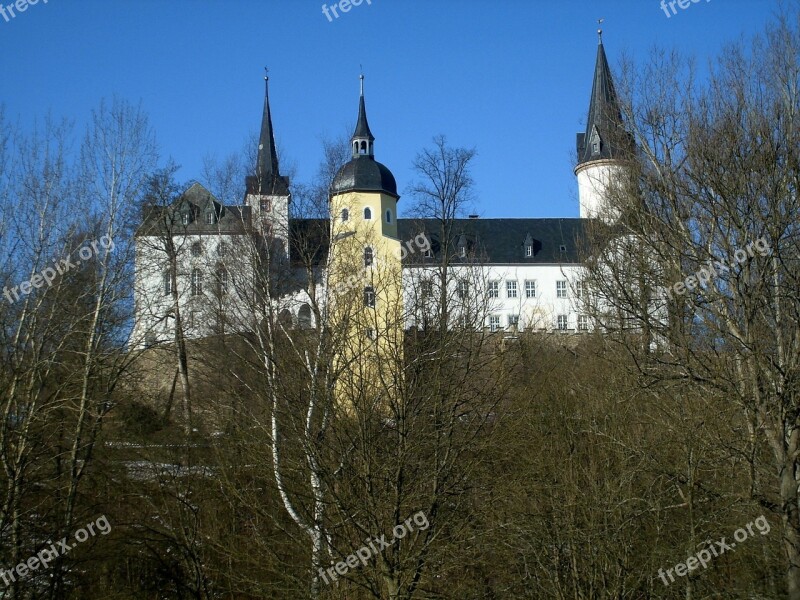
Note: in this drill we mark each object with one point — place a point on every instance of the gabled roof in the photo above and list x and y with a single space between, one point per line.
195 203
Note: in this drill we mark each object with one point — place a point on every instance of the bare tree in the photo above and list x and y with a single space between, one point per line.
698 279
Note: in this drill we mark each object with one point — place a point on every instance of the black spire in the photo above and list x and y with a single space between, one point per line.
267 179
362 139
605 136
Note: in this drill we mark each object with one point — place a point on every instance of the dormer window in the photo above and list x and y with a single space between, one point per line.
367 214
595 142
210 218
345 214
185 218
529 250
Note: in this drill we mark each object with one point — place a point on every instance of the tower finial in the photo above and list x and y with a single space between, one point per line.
600 31
362 80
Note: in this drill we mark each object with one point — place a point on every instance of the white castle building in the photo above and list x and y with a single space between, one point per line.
194 257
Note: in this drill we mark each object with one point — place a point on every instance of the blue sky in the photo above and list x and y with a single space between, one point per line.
510 77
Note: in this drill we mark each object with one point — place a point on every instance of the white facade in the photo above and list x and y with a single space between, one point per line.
594 178
543 297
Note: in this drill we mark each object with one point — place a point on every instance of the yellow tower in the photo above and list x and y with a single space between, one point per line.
365 277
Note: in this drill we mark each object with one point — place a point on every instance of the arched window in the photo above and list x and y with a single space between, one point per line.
368 256
367 213
363 148
388 215
304 317
345 214
197 282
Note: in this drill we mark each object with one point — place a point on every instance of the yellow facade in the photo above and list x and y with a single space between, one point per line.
368 339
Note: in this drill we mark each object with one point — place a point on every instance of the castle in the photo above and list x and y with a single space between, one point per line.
507 275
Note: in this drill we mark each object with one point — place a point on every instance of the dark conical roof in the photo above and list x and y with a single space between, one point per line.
267 179
363 173
604 124
362 126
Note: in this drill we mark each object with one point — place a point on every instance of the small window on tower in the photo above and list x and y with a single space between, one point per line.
367 256
266 205
345 214
367 214
388 216
369 296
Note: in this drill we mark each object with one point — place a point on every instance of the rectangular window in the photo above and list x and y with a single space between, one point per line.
369 333
582 290
494 289
222 276
511 289
167 284
561 289
562 322
494 323
209 218
530 289
197 282
513 322
266 205
528 251
426 286
462 289
185 218
369 296
583 323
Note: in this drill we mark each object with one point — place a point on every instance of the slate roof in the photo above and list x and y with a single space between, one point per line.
196 202
362 126
605 117
267 178
364 174
488 241
502 241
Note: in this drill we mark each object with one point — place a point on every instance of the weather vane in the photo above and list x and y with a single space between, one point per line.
266 73
599 30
